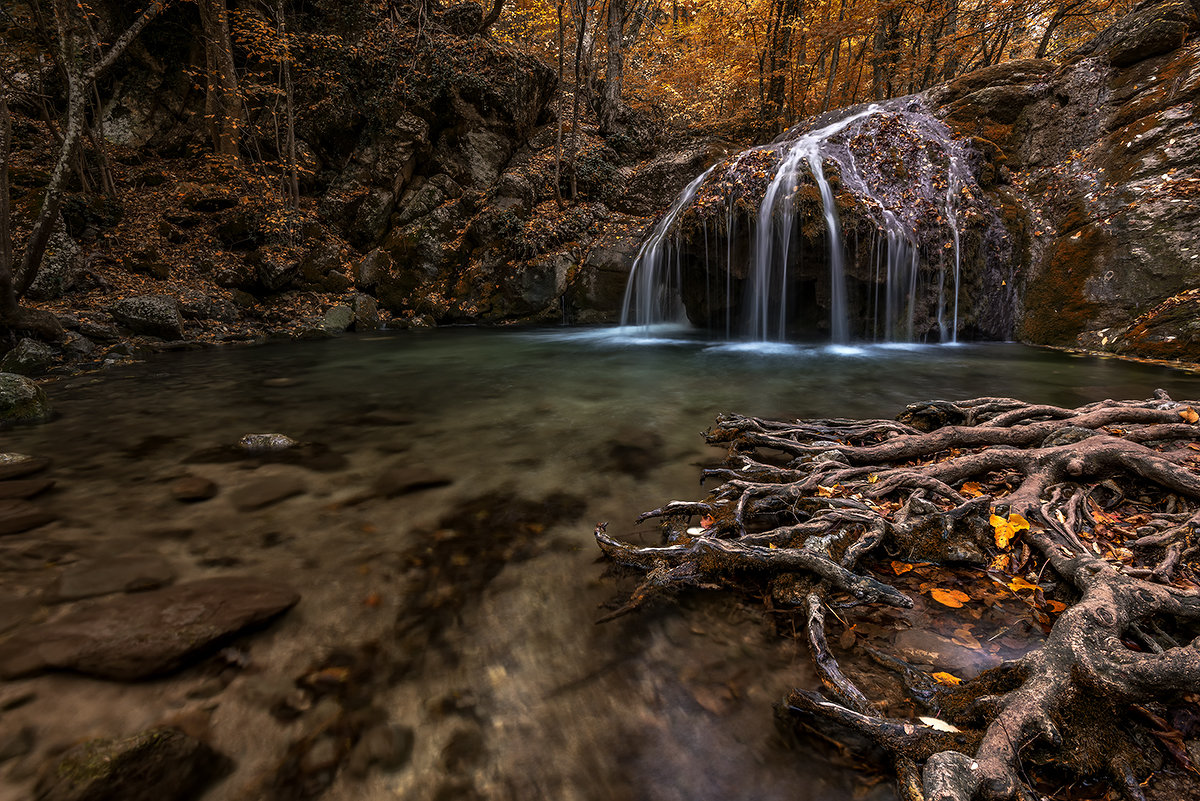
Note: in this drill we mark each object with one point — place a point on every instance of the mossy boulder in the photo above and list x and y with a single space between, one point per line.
22 401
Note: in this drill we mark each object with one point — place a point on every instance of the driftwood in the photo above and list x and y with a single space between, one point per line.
938 485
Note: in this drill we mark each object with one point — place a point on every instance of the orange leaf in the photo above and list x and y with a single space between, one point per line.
901 567
1189 415
946 678
708 521
972 489
953 598
1018 584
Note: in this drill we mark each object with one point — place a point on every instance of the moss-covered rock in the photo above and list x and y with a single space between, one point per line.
22 401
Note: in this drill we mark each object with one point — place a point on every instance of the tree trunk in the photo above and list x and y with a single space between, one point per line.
492 16
8 296
223 103
614 70
580 34
285 62
558 110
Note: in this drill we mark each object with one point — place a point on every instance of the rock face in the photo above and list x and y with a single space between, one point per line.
145 634
1098 167
155 765
22 401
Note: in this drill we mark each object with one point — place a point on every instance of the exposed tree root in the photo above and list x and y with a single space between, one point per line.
1110 493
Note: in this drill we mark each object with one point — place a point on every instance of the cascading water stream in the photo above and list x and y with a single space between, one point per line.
756 301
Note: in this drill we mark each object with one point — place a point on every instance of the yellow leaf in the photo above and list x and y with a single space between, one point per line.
871 479
953 598
1003 531
972 489
946 678
1189 415
1000 562
901 567
772 546
1018 584
826 492
1018 522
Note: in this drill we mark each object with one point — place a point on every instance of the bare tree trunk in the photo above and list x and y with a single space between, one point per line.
8 296
558 110
223 105
285 62
79 81
950 67
492 16
581 33
614 70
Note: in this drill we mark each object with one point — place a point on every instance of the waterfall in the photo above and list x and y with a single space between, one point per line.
901 167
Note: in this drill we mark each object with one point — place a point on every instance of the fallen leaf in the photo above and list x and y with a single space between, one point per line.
946 678
373 599
939 725
826 492
901 567
1019 584
1189 415
952 598
708 521
972 489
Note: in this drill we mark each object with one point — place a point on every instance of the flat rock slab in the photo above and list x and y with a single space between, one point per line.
24 488
19 465
265 491
17 516
156 765
93 577
145 634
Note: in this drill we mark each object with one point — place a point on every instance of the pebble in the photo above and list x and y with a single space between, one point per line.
190 489
265 492
266 443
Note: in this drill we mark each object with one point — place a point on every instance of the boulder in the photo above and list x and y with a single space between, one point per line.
153 315
145 634
148 261
22 401
18 515
206 198
157 765
19 465
61 267
1151 29
372 268
366 313
29 357
337 319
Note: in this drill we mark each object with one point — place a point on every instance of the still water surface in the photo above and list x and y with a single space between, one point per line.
483 590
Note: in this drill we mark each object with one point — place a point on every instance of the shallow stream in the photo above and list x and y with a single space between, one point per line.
480 592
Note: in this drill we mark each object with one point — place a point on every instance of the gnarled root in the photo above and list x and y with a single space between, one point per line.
1105 497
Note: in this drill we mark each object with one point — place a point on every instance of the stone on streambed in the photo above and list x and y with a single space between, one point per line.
19 465
29 357
265 491
24 489
926 648
404 479
17 516
22 401
266 443
156 765
89 578
145 634
189 489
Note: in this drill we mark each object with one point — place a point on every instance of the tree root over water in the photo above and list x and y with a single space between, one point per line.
1105 498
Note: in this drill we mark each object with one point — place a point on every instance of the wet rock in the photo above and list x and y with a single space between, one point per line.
153 315
24 489
16 743
145 634
366 313
634 453
77 346
89 578
15 610
18 465
337 319
927 648
21 401
405 479
1149 30
266 443
190 489
29 357
276 276
149 261
386 746
156 765
265 492
15 697
100 332
17 516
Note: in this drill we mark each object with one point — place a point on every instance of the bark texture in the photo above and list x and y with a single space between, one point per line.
940 484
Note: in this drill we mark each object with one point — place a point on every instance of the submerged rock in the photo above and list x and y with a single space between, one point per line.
145 634
17 465
104 576
156 765
22 401
18 515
